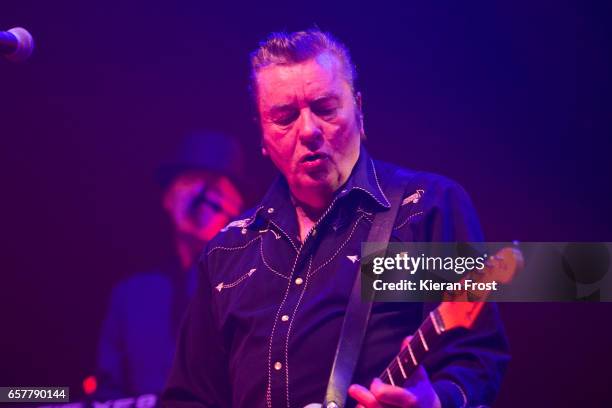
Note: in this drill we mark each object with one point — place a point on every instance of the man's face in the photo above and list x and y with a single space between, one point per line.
310 122
200 204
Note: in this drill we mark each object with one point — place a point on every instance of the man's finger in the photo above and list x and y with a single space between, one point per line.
363 396
419 384
418 377
406 342
392 395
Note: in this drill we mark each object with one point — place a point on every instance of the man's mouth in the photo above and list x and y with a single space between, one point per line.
313 158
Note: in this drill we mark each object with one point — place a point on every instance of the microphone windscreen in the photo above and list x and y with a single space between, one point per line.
25 45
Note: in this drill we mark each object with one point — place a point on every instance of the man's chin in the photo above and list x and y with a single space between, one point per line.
318 181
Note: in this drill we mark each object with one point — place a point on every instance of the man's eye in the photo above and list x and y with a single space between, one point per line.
325 111
325 108
285 118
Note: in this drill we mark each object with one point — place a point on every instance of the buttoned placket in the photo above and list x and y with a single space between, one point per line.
278 385
279 369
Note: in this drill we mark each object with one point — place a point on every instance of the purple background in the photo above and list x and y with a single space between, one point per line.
510 99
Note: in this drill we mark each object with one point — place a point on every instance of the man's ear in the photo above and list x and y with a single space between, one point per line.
257 121
264 151
359 105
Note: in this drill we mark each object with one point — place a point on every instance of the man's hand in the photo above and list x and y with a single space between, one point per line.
417 392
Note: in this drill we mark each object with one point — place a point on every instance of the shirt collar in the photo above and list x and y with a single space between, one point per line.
276 205
364 180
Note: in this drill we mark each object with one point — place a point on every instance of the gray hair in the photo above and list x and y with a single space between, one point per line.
283 48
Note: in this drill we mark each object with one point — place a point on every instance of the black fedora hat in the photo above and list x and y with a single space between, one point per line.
204 150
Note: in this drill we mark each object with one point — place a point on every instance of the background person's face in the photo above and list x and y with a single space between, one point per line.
200 204
310 123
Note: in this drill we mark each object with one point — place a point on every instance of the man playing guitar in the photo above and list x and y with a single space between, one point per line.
274 286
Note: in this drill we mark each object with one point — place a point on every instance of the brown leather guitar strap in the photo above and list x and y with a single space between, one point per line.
358 312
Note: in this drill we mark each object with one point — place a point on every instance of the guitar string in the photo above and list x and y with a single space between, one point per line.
394 368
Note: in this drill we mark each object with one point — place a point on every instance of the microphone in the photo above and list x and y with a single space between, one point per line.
16 44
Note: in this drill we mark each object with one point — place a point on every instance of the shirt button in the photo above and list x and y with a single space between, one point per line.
270 210
278 365
314 232
299 281
285 318
243 231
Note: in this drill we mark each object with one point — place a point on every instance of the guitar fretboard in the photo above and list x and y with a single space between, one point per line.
424 339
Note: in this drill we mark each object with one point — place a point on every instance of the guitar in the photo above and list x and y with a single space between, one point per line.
459 309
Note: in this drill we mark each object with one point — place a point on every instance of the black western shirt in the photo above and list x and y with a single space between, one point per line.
263 326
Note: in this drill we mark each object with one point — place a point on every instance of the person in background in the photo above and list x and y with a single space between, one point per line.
138 335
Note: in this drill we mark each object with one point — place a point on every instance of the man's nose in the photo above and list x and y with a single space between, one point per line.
309 130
